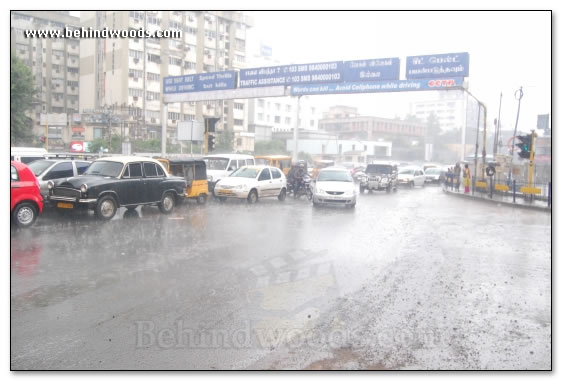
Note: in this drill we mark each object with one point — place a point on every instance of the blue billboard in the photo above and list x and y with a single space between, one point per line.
438 65
291 74
199 82
371 70
378 86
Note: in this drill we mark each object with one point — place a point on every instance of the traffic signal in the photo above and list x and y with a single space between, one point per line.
525 145
210 142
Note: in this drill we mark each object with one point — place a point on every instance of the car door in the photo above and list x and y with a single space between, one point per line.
265 182
152 181
418 178
277 181
133 187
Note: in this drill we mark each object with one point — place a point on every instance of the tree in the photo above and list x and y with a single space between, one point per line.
21 98
270 147
96 144
225 141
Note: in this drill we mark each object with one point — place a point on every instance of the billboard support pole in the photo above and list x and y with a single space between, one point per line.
163 121
296 132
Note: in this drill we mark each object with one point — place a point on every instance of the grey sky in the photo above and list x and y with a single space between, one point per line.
507 49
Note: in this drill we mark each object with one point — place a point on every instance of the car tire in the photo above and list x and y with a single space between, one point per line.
167 203
252 197
25 214
201 199
106 207
282 195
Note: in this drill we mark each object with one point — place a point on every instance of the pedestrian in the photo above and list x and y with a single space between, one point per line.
466 178
457 173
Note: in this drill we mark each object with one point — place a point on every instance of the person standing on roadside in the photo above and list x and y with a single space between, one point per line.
457 173
466 178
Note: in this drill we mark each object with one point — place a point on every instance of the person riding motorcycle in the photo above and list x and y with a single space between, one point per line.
296 175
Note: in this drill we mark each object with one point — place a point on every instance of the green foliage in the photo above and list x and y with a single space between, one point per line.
95 145
270 147
21 98
224 141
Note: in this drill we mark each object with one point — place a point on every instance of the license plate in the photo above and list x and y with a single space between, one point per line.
65 205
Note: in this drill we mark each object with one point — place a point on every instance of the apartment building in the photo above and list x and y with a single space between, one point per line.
348 124
449 108
127 74
54 64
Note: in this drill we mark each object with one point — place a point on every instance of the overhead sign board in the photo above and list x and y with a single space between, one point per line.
199 82
291 74
438 65
378 86
371 70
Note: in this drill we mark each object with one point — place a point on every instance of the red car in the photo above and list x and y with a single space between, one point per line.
25 199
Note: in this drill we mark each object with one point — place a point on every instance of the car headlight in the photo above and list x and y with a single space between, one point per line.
240 187
84 188
50 185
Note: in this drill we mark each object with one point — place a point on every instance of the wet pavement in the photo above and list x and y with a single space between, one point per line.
409 280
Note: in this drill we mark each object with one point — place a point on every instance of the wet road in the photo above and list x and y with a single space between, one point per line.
415 279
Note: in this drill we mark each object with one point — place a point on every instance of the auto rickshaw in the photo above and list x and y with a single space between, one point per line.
195 173
283 162
320 164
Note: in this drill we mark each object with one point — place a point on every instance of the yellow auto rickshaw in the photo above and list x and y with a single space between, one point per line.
320 164
283 162
194 171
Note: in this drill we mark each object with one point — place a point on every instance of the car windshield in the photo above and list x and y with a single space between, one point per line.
408 171
39 166
104 168
334 176
217 163
245 172
379 169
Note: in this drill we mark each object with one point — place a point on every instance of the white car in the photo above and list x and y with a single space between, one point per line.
252 183
334 186
220 166
411 177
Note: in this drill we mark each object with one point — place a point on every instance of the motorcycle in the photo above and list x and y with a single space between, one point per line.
301 187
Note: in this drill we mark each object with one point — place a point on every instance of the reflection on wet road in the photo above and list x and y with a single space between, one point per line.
415 279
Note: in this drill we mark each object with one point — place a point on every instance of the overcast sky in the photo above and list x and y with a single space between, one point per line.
507 50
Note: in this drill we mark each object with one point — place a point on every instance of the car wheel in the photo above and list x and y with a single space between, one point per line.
252 197
201 199
25 214
282 195
106 207
167 204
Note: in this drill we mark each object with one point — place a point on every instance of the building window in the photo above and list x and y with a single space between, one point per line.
190 30
277 119
175 61
239 58
153 96
260 116
238 122
153 20
260 103
135 92
153 76
153 58
189 117
288 108
287 121
135 54
136 15
189 65
135 73
173 116
312 123
239 106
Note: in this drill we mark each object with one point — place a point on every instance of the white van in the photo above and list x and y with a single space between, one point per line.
27 154
220 166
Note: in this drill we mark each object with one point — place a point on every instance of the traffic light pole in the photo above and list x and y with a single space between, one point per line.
531 163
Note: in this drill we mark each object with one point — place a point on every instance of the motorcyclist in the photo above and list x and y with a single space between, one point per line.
296 175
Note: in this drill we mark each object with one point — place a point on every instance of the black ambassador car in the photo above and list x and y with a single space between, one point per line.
113 182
